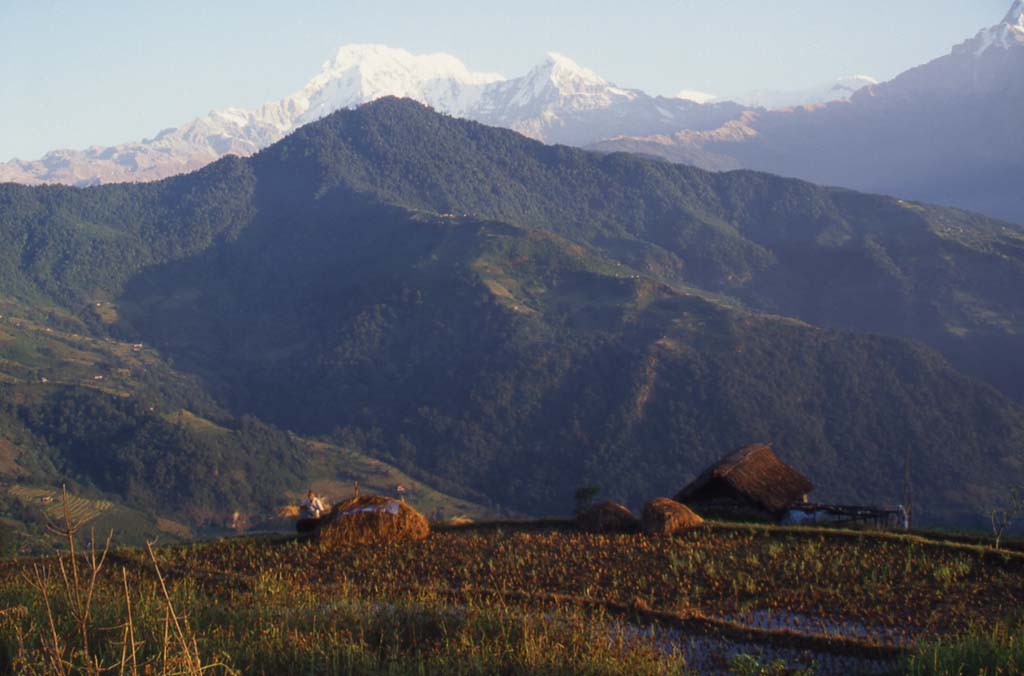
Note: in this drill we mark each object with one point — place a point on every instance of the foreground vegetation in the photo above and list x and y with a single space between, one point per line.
524 598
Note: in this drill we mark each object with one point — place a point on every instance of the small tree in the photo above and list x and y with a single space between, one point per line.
1003 518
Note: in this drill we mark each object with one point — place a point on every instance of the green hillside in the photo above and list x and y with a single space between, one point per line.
523 365
500 318
829 256
127 432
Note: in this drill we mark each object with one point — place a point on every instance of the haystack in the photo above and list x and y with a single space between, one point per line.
371 518
663 516
607 517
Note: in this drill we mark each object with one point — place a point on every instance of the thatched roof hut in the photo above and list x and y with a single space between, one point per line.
751 483
607 517
371 518
662 516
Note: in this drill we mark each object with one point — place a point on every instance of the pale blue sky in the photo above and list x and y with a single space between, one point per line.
75 73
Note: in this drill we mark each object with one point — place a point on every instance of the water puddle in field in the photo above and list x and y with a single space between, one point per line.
820 626
707 656
711 656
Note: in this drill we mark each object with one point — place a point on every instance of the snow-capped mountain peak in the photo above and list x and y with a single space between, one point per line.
847 86
1007 34
557 77
1015 17
374 62
566 74
557 101
696 96
360 73
557 81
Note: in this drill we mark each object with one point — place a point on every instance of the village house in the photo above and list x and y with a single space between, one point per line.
750 484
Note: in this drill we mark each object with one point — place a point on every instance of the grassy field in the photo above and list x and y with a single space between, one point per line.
541 598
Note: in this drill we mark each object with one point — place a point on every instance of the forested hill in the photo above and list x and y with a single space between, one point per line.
832 257
520 319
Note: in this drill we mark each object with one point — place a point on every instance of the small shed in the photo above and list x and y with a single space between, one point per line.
749 484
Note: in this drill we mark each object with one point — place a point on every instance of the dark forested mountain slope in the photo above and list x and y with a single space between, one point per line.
520 364
831 257
521 319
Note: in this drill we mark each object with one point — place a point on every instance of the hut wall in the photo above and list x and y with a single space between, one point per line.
718 500
731 508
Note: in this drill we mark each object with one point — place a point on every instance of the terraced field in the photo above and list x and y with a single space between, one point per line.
99 516
541 598
80 510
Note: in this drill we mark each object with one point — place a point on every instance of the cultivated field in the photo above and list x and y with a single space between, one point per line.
541 598
94 516
51 504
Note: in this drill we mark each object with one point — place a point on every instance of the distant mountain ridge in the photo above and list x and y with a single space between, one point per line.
837 90
947 132
558 101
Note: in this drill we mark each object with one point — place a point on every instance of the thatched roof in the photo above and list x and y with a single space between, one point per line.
756 473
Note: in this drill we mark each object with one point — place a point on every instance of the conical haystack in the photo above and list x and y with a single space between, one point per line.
663 516
607 517
372 518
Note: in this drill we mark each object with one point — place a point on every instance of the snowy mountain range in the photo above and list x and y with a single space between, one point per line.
558 101
947 132
837 90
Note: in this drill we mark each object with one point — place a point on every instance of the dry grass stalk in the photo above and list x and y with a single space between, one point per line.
78 580
164 652
193 663
129 630
79 587
54 651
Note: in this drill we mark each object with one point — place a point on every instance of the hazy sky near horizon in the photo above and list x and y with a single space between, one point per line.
74 74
